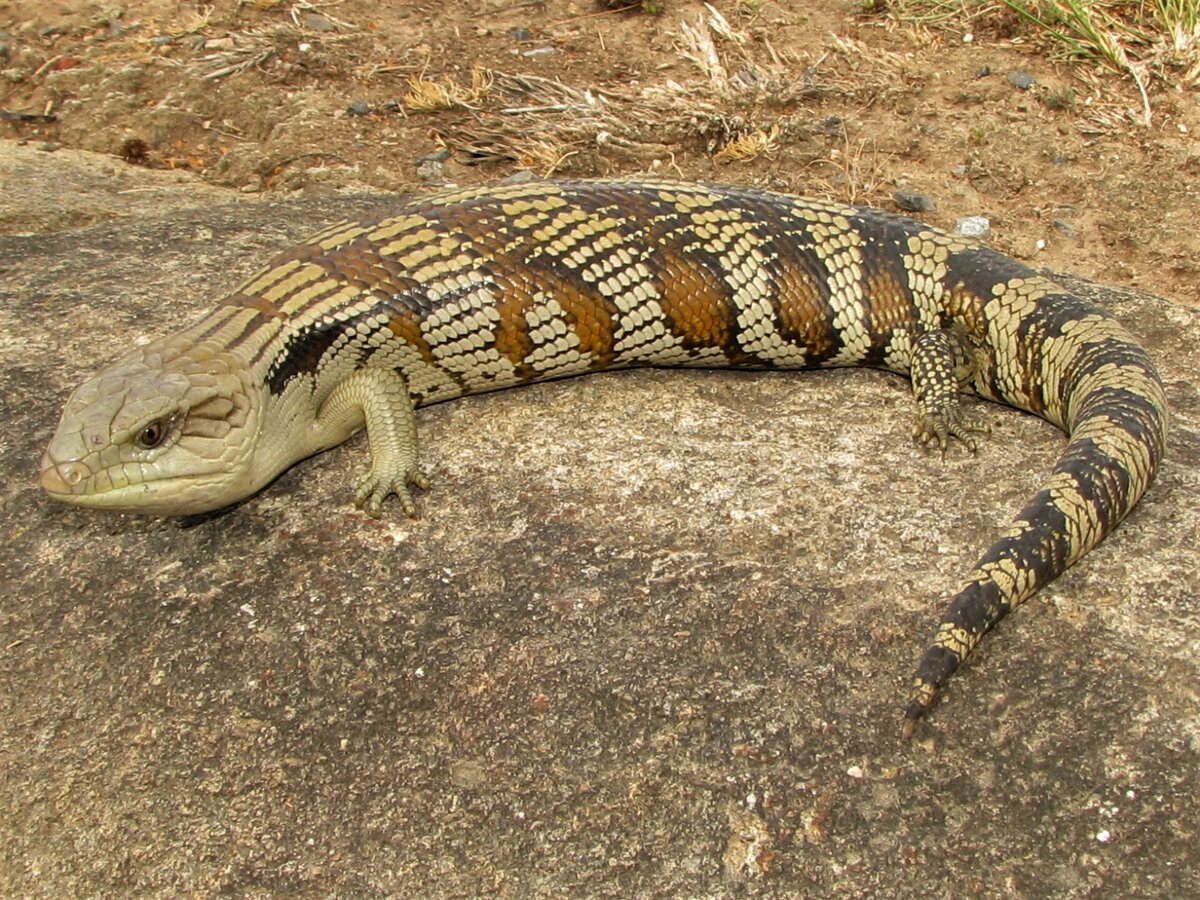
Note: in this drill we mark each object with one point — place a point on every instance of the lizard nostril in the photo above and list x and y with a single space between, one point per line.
61 478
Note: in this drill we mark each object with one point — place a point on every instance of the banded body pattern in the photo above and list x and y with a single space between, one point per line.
480 289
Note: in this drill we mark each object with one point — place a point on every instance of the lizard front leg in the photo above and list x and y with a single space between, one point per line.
378 399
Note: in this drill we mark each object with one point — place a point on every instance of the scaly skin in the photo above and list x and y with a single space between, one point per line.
482 289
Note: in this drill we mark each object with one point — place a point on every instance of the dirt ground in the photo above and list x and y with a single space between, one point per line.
269 96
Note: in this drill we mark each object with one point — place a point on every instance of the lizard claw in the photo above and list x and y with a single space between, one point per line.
375 487
944 424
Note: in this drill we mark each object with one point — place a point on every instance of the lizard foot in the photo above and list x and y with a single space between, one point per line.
375 487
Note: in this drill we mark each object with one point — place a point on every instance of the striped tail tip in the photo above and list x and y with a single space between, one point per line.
937 665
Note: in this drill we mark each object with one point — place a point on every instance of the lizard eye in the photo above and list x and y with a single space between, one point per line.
152 435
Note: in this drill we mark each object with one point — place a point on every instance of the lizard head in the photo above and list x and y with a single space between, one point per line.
167 430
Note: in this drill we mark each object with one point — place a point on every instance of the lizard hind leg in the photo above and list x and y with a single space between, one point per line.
940 368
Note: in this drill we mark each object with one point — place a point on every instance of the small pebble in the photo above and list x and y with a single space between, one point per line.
521 176
436 156
913 201
974 227
49 31
161 40
983 71
539 51
1065 228
1021 80
358 108
468 774
521 34
831 125
431 170
317 22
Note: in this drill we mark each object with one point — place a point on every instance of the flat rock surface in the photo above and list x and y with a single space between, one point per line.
650 637
50 188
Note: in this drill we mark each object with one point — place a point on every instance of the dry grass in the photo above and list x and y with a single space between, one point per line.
736 100
728 106
428 94
750 145
254 48
1152 41
537 122
856 172
196 22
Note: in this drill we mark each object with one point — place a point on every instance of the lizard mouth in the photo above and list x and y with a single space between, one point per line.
72 482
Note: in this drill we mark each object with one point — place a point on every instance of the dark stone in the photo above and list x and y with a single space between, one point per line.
521 176
1065 228
436 156
1021 80
913 201
317 22
831 126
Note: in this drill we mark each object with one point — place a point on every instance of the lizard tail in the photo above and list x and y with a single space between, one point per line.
1089 375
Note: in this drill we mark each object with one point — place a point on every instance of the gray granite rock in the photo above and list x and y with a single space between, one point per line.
650 636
